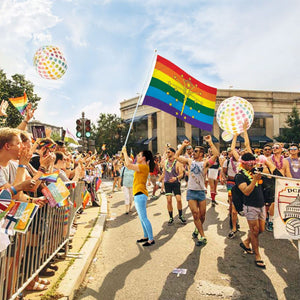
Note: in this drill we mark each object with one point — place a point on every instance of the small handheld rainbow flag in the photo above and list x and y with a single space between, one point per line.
51 177
86 198
20 103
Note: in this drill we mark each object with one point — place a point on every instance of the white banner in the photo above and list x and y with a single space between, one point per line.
287 209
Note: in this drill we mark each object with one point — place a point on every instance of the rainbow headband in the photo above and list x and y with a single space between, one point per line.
248 162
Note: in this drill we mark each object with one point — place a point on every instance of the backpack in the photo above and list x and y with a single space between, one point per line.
237 198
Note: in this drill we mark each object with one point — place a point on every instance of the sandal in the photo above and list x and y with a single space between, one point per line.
45 272
260 264
37 287
248 250
43 281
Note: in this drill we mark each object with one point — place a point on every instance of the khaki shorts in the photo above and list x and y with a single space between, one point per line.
254 213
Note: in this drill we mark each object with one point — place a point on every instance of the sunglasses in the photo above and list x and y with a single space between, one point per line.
276 147
293 148
267 149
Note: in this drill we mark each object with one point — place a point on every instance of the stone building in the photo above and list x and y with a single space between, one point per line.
156 128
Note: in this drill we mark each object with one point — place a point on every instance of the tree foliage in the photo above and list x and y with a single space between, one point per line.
291 134
111 131
13 88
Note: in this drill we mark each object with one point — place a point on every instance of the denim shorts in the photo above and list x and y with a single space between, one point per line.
254 213
195 195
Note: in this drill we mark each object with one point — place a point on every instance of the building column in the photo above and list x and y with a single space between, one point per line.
166 131
188 131
150 125
269 127
276 124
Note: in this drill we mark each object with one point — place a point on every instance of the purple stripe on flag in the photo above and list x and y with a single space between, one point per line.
171 110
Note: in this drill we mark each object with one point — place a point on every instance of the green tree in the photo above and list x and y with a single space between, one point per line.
112 131
12 88
291 134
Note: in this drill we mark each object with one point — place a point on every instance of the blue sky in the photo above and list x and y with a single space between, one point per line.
109 47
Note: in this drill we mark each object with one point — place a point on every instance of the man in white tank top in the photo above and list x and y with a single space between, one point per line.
196 184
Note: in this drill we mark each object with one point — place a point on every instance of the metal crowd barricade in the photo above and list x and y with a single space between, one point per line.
29 253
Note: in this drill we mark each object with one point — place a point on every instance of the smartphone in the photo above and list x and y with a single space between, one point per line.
38 131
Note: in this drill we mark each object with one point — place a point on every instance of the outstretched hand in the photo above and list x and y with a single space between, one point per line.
3 107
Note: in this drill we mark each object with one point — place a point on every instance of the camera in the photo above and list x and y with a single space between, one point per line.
256 170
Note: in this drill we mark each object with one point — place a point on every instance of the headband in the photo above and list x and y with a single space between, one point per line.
248 162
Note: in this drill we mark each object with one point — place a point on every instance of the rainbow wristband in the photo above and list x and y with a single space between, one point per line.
13 189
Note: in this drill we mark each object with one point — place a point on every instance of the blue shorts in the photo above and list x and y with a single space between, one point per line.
195 195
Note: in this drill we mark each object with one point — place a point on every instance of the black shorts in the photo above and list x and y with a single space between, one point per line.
117 174
172 188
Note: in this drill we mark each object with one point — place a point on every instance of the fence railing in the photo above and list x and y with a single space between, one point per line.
29 253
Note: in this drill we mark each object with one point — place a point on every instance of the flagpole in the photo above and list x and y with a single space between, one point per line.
140 97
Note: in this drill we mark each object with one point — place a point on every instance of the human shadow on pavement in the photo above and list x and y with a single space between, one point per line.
115 279
284 257
248 281
177 287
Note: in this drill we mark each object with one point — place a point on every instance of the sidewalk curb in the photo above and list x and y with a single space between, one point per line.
76 273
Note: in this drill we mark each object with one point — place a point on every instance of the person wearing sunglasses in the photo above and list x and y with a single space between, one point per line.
253 205
282 169
172 174
196 184
293 160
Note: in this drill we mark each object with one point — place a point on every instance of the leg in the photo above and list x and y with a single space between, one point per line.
126 200
253 234
140 204
193 205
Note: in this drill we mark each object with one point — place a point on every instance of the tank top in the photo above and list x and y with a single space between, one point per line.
216 165
294 167
196 178
170 170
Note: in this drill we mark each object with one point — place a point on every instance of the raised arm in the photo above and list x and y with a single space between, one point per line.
215 152
233 147
246 137
182 159
127 161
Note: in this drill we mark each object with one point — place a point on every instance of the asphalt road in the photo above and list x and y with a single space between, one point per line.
123 269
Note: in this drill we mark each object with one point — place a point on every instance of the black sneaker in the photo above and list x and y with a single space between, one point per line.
171 221
195 233
201 241
182 219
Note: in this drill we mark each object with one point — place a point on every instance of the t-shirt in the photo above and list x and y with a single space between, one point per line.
8 173
228 165
196 178
140 180
127 176
256 198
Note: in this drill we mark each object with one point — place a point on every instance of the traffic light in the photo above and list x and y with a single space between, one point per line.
87 126
79 128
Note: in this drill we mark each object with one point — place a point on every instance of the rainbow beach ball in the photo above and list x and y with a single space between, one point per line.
50 62
233 112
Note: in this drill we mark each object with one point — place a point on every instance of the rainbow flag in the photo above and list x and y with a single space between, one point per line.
86 198
51 177
174 91
20 103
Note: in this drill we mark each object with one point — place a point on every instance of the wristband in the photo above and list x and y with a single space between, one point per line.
13 189
211 161
25 121
22 166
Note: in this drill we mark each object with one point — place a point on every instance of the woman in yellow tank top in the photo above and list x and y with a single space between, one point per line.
143 166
